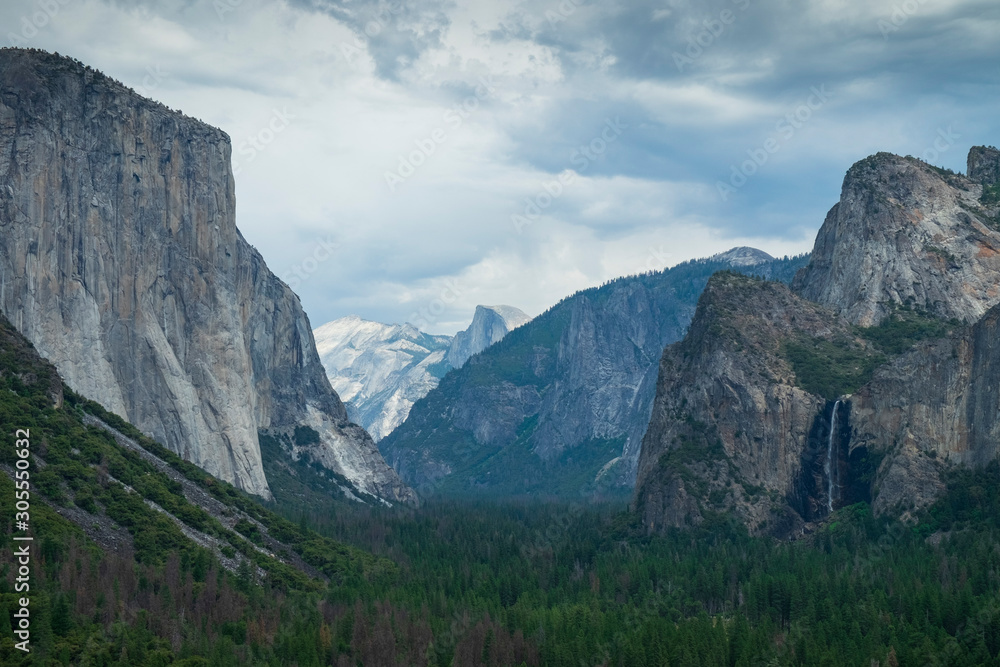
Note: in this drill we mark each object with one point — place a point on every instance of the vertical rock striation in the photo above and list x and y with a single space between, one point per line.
121 261
938 404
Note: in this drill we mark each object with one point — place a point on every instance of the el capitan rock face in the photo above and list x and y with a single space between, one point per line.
121 261
906 232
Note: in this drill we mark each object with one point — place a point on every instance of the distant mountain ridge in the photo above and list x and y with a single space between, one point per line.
380 370
560 405
741 257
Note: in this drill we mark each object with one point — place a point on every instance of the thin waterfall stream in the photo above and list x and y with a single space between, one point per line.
830 467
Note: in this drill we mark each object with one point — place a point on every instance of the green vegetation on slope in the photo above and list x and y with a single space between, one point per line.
830 368
833 368
586 586
475 583
904 328
91 607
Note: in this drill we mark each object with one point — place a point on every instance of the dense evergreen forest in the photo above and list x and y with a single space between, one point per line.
465 583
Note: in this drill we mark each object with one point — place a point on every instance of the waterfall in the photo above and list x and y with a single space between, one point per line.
831 468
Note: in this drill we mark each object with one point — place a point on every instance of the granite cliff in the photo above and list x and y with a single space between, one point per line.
747 418
559 406
121 262
862 384
937 405
380 370
905 232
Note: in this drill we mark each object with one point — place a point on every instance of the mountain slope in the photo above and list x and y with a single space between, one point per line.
559 406
740 425
131 495
121 261
380 370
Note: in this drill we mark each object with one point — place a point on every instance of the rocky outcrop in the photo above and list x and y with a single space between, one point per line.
731 430
984 165
909 247
380 370
559 406
489 325
908 233
121 261
938 404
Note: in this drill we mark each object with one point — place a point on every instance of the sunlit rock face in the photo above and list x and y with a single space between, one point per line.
121 261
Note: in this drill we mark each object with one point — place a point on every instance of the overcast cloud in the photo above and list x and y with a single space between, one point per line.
435 155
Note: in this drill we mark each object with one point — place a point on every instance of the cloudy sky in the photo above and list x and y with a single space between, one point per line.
407 160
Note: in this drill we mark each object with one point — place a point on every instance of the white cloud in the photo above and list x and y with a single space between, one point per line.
356 105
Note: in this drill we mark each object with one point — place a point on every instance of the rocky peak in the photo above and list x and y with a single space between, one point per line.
489 325
380 370
984 165
742 256
905 232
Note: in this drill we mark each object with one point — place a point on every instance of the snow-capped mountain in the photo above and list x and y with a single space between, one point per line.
381 370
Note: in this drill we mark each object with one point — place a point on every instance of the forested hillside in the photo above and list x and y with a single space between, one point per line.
117 582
